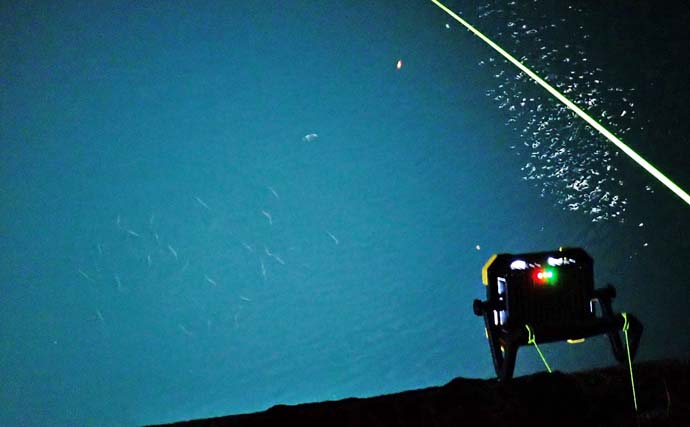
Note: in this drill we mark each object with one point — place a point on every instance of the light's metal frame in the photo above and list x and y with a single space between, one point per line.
519 306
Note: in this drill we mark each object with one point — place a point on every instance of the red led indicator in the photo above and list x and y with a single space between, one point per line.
544 276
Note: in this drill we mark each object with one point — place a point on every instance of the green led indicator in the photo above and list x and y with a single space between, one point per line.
545 275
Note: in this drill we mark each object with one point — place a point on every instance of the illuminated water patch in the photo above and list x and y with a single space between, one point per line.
568 160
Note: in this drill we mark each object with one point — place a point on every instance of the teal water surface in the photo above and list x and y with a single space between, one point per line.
213 208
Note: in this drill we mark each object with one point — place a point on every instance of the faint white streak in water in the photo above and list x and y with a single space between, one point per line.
274 256
185 330
84 275
268 216
310 137
247 247
335 239
211 281
118 282
173 252
133 233
273 191
202 203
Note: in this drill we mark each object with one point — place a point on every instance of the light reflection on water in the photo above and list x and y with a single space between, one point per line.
568 160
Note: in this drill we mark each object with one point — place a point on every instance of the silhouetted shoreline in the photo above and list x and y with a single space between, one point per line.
600 397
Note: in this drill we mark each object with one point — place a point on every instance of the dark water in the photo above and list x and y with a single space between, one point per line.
216 209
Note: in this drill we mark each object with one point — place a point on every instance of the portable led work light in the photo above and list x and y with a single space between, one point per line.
550 296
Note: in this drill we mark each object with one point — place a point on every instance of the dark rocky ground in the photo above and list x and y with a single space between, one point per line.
601 397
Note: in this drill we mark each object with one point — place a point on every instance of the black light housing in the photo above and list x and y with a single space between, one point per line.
552 293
